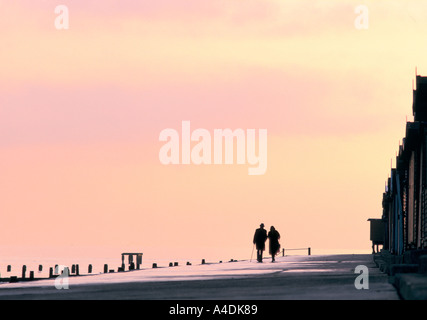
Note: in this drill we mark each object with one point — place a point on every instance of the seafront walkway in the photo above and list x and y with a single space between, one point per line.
315 277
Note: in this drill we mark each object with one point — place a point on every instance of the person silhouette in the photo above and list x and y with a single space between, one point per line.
260 237
273 236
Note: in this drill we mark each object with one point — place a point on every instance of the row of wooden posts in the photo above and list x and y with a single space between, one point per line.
75 270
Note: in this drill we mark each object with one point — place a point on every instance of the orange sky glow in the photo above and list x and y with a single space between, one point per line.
81 111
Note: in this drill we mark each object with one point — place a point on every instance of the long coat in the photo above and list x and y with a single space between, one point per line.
260 237
274 237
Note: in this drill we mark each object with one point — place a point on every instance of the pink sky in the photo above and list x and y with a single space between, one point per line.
81 111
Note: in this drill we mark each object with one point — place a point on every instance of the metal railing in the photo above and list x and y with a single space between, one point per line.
285 250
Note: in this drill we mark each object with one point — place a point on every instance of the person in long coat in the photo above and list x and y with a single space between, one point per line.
274 236
260 237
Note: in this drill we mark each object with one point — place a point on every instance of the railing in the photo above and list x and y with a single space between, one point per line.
308 250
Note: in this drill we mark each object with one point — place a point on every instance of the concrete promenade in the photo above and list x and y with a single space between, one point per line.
329 277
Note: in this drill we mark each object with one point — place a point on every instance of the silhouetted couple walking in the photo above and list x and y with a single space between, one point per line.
260 237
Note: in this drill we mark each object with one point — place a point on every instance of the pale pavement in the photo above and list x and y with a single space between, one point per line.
326 277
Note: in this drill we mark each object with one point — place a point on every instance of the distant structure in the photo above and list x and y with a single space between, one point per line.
403 225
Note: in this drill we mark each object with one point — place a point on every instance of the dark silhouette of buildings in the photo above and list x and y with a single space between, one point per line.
403 225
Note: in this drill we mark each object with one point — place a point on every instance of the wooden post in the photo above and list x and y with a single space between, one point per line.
40 268
138 260
154 265
24 269
203 261
283 252
50 272
9 268
89 269
31 275
77 270
105 268
309 251
73 268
